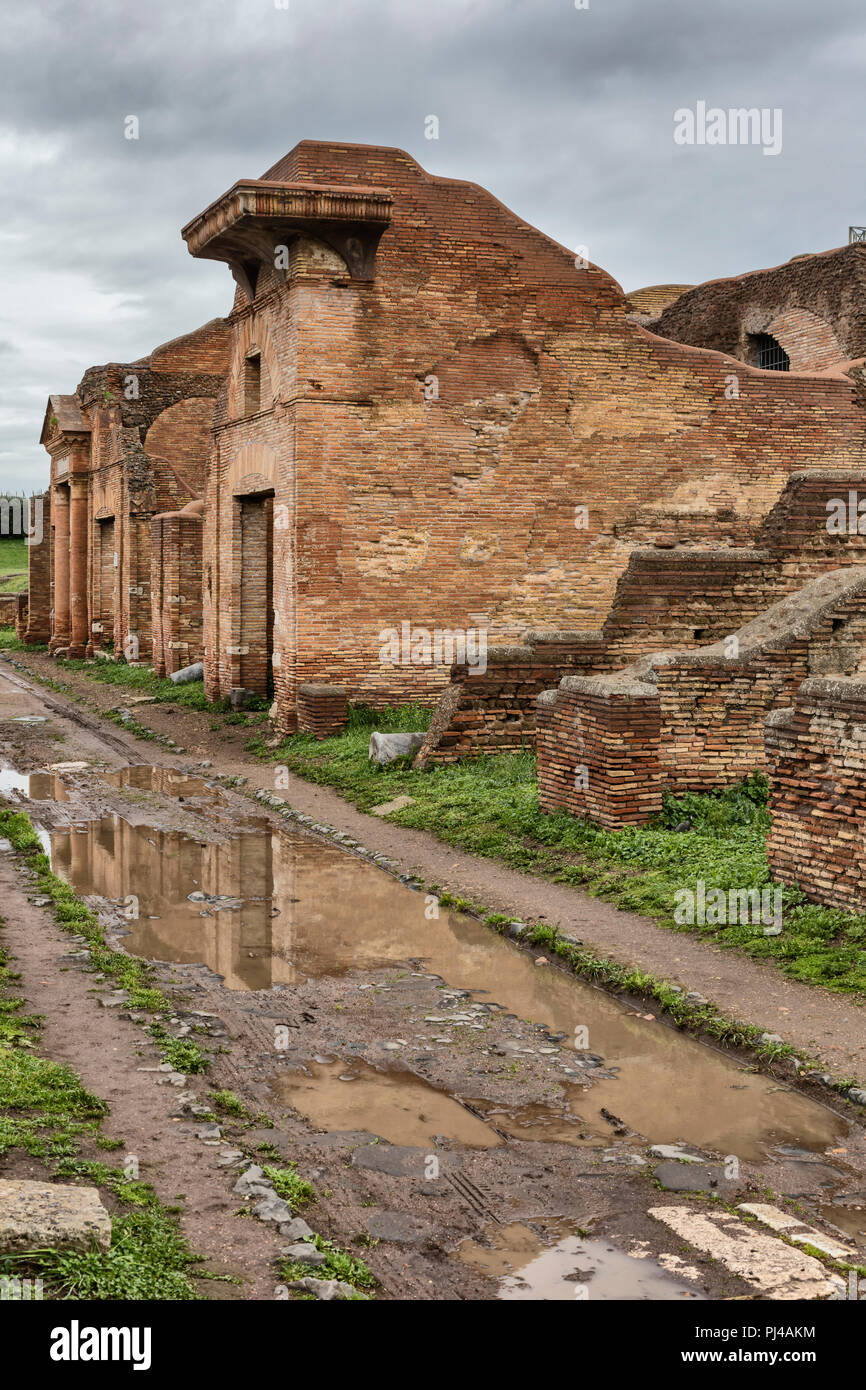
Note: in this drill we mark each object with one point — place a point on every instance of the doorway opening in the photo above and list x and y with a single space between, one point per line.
104 635
257 593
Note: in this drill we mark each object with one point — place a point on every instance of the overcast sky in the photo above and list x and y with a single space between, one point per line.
566 114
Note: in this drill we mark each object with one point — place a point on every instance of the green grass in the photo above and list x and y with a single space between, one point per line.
489 806
184 1055
227 1103
13 557
148 1259
293 1189
46 1112
336 1265
142 680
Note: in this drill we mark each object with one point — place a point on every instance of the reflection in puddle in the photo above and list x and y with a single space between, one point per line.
308 909
38 786
850 1219
165 781
398 1106
575 1267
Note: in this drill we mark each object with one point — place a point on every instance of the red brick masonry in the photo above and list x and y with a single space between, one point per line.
691 721
322 710
816 757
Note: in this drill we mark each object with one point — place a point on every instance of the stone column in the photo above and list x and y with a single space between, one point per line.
60 512
78 567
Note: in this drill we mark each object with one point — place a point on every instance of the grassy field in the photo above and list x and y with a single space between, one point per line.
13 563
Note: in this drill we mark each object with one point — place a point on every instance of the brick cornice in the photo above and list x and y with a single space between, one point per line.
247 223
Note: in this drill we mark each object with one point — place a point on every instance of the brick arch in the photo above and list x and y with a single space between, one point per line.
810 342
253 469
180 438
252 333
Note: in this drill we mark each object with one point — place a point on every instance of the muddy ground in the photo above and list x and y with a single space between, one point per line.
422 1072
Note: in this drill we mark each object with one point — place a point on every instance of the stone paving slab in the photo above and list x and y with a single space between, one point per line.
43 1215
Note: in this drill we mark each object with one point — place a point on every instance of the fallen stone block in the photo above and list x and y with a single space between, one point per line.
44 1215
195 672
326 1289
396 805
304 1253
384 748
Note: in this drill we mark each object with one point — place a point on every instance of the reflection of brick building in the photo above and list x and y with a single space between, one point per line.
130 443
423 389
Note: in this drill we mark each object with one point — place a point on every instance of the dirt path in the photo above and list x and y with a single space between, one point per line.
500 1145
830 1027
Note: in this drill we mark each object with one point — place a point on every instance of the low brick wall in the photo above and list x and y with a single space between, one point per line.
816 755
683 597
322 709
494 711
692 721
8 609
599 749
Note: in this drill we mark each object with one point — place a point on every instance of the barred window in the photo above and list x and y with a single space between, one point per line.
769 354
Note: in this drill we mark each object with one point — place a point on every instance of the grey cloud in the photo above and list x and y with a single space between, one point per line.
565 114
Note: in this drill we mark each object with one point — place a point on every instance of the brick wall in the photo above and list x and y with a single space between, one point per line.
599 749
692 721
141 435
399 505
816 755
667 597
176 589
494 710
815 306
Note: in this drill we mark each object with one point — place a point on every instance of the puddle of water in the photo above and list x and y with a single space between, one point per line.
153 872
38 786
354 1095
308 909
850 1219
398 1106
574 1267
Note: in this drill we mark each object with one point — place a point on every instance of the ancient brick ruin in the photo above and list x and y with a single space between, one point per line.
132 442
816 754
456 427
430 456
814 307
